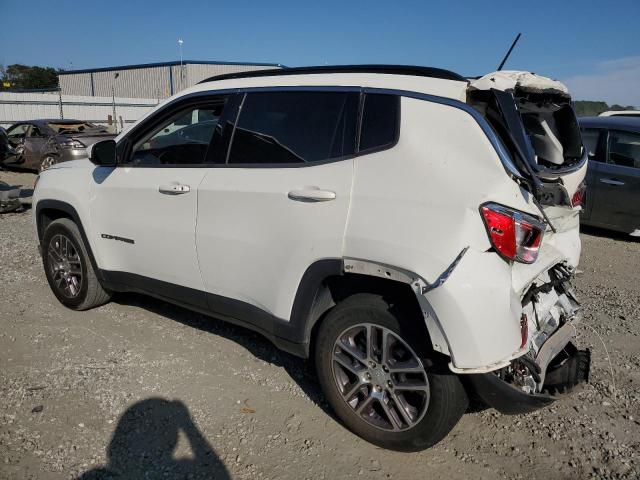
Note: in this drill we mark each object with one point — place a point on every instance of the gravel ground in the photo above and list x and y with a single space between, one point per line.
142 386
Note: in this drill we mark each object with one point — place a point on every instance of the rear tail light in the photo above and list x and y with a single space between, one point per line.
514 235
578 198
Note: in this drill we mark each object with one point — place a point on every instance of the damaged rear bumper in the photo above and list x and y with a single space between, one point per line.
559 366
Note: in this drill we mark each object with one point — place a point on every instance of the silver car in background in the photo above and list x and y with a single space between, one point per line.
613 176
42 143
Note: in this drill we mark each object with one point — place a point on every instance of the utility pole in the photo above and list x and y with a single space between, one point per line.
113 101
180 42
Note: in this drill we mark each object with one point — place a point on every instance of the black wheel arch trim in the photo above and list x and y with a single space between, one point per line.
70 211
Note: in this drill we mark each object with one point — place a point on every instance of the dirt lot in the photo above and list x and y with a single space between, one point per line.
139 385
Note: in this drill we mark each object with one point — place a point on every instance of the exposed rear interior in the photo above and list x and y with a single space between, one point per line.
535 120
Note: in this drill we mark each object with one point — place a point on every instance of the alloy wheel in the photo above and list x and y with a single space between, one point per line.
46 163
380 377
65 266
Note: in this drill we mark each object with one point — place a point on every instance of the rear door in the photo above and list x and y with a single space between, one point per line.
618 183
144 210
280 203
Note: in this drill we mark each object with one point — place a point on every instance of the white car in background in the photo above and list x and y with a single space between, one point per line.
412 231
620 113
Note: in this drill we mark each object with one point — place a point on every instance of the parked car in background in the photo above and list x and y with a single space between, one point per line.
620 113
42 143
613 176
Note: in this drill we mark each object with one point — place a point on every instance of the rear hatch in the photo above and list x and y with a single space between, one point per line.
535 119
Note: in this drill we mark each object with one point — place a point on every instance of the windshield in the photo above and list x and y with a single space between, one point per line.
80 127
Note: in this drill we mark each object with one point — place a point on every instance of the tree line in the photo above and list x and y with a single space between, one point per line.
24 77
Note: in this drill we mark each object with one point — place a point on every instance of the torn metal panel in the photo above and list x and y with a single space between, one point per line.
420 287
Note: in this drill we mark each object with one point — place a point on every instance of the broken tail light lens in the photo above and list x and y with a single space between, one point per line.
514 235
578 198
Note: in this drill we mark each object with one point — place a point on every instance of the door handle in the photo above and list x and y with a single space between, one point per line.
174 189
612 181
311 194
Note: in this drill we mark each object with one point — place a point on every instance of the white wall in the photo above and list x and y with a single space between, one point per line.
16 107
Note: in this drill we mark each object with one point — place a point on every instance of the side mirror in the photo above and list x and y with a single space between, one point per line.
103 153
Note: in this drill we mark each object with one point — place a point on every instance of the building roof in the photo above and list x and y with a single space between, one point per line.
381 69
620 123
167 64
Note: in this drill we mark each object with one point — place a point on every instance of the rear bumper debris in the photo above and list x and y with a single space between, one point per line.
559 366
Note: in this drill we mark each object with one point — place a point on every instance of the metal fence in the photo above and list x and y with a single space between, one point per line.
115 112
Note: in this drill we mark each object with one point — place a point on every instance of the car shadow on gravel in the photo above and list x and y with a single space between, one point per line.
300 371
144 442
603 233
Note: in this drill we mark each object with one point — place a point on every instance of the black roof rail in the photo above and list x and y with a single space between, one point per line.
388 69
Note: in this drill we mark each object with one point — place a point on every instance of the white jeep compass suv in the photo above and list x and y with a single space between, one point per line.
411 231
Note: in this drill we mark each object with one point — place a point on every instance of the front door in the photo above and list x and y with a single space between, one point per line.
618 184
34 147
281 201
144 210
17 135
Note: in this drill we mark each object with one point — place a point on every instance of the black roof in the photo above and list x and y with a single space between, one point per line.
42 121
388 69
166 64
615 122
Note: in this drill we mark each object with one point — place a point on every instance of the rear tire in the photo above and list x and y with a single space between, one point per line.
395 417
68 267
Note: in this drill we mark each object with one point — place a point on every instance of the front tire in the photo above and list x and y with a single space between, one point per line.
47 162
68 267
376 375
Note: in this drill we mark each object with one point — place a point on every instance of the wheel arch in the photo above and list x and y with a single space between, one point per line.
329 281
48 210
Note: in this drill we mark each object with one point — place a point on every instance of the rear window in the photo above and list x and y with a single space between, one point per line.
380 116
74 127
294 127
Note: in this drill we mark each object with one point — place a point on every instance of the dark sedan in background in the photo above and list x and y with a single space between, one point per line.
42 143
613 177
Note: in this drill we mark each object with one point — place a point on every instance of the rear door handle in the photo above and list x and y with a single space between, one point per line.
311 194
174 189
612 181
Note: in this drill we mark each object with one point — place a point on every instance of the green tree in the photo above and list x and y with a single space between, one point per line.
19 76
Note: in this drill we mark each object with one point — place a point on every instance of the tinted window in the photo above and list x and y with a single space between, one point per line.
380 117
624 149
590 141
295 127
183 139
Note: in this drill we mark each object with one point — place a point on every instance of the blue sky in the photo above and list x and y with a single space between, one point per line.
593 46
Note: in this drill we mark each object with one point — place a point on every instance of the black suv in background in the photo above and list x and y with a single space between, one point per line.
613 177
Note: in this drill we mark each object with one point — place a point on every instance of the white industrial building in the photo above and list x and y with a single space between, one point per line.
151 80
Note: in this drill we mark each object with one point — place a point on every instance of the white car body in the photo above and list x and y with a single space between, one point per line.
409 213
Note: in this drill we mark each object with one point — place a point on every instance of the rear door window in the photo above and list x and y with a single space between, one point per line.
380 122
624 149
284 128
